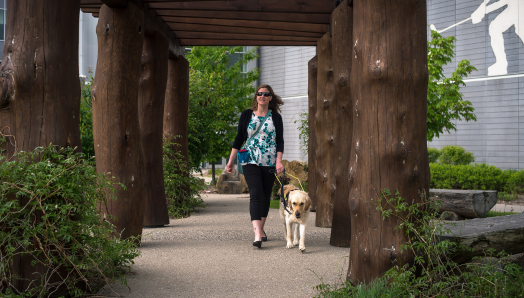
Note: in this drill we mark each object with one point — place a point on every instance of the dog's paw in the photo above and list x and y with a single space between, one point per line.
302 250
295 242
289 245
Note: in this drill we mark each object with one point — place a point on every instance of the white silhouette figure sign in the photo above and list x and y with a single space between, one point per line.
507 18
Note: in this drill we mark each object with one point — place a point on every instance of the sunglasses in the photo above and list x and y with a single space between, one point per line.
266 94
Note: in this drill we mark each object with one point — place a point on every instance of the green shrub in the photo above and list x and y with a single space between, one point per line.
515 184
182 189
433 273
455 155
473 177
61 189
433 154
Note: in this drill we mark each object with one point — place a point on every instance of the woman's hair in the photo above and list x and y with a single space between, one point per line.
275 102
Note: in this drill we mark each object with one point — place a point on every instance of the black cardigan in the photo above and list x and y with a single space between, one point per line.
244 122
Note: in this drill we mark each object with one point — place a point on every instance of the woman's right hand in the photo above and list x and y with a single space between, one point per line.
229 167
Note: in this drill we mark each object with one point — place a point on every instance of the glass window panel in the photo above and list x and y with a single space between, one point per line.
1 50
2 3
2 23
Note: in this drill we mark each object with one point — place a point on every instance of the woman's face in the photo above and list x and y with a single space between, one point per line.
262 99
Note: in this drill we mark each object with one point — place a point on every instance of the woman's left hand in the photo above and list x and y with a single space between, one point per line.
279 167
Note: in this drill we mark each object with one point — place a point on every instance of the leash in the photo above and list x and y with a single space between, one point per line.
282 197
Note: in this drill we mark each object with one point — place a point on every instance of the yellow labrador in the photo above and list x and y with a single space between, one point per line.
298 203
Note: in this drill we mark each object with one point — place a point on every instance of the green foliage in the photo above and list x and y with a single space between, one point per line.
507 196
433 273
182 189
473 177
433 154
497 213
218 93
48 213
86 117
445 103
515 183
303 129
455 155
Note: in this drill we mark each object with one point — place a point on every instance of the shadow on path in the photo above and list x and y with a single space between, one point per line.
210 254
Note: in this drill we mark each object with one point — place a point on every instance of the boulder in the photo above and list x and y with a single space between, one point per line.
231 183
467 203
501 233
451 216
295 168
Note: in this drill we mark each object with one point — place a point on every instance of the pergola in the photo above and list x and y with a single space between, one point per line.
367 99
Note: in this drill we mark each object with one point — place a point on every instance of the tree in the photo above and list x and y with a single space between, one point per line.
445 102
218 92
86 117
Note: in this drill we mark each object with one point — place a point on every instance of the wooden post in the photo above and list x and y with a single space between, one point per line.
312 144
151 96
40 101
176 109
325 133
116 130
342 41
40 90
389 148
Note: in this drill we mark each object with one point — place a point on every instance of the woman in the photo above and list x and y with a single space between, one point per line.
265 154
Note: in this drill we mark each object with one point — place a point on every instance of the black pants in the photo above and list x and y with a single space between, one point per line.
260 183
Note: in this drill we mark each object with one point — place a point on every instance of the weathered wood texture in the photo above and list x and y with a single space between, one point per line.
176 108
116 129
342 40
389 148
39 100
151 97
325 132
312 145
467 203
502 233
40 90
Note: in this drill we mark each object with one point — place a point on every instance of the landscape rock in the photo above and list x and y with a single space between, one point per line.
467 203
501 233
231 183
450 215
295 168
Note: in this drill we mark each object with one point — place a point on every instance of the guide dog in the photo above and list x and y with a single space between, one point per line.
298 203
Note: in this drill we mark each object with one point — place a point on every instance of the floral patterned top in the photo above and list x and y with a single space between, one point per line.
263 147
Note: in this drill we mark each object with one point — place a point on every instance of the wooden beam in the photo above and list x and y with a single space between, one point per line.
297 27
181 27
116 3
232 36
90 10
95 15
303 6
224 42
254 16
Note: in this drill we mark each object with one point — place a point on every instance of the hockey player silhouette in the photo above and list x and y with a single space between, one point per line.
507 18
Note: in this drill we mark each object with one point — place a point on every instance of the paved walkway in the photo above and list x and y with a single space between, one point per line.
508 208
210 254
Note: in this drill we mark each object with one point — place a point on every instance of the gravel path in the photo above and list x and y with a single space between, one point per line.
210 254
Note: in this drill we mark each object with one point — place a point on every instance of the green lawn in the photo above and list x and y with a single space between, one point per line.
497 213
275 204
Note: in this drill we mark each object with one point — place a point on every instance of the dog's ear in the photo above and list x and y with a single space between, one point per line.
290 204
308 203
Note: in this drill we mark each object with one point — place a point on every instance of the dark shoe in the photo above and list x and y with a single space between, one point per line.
265 236
257 244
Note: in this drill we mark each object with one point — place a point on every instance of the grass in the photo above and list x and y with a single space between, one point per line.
504 196
498 213
218 172
274 204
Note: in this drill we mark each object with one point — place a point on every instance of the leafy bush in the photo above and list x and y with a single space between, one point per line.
86 117
182 189
455 155
434 274
48 214
476 176
303 129
515 184
433 154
